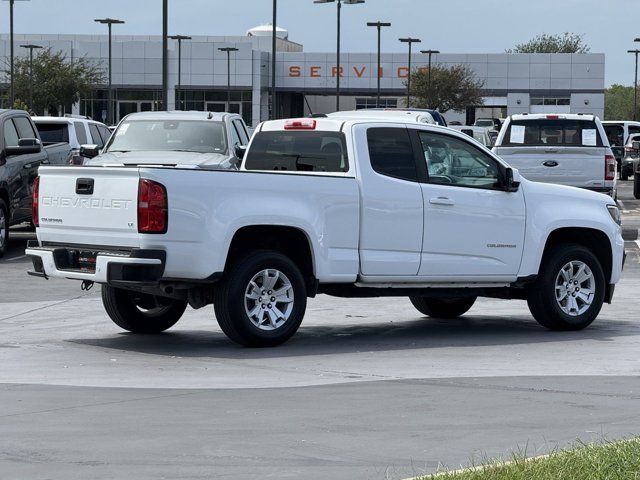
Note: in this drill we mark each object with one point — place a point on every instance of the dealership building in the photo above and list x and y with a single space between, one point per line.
512 83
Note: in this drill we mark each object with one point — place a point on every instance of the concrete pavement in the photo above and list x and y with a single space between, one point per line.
367 389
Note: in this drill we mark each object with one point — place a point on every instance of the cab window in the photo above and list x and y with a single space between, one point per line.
10 134
452 161
391 153
95 135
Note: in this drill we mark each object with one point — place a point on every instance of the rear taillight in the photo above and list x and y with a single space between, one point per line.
300 124
609 167
152 207
35 218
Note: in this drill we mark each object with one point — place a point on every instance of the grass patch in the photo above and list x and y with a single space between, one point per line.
607 461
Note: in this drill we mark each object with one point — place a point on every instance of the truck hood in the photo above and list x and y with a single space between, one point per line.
192 159
533 190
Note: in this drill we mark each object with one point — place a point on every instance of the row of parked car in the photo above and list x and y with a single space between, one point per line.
575 150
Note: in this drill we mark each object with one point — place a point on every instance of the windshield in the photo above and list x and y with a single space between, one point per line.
484 123
169 135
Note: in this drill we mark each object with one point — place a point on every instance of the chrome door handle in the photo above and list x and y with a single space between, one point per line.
441 201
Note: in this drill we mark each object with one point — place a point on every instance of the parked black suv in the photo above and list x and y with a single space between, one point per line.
21 154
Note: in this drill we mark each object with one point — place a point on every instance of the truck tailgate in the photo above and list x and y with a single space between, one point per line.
575 166
89 206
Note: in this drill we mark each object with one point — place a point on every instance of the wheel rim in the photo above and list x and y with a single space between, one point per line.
575 288
268 299
3 228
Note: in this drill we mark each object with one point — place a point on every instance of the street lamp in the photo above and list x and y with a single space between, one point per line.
410 41
339 5
12 91
228 50
379 26
180 38
109 22
429 52
272 105
31 48
635 84
165 55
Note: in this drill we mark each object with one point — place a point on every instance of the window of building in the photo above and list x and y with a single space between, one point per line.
370 102
551 101
391 153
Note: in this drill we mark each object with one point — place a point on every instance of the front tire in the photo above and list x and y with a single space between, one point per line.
262 300
569 292
443 308
140 312
4 228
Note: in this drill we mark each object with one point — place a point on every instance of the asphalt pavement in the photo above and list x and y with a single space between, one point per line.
367 389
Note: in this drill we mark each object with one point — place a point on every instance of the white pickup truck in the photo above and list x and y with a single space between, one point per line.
350 208
569 149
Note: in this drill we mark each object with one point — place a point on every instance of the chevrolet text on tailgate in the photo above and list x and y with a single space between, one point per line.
352 207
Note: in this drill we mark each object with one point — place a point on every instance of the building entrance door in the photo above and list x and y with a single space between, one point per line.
125 107
231 107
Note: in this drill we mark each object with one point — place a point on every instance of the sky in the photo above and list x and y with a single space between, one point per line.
451 26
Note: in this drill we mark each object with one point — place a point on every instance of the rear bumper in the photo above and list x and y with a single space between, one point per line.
606 190
135 267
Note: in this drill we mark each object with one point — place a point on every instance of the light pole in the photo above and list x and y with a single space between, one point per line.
165 55
272 105
339 5
429 52
11 88
31 48
635 84
228 50
179 38
410 41
379 26
109 22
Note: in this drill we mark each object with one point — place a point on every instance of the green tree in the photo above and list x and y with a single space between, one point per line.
561 43
618 102
57 81
450 88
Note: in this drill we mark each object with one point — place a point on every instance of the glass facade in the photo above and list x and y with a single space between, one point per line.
216 101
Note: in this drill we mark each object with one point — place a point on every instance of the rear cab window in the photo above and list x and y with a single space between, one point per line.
51 133
298 151
552 133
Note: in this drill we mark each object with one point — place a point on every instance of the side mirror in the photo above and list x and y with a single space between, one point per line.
89 151
635 145
25 146
512 180
240 150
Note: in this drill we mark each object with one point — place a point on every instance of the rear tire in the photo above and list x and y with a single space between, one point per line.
262 300
624 176
4 227
140 312
443 307
636 185
569 292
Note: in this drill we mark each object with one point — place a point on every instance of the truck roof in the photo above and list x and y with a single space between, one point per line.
550 116
181 115
335 124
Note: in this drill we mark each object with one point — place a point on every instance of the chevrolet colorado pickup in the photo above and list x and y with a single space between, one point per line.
344 207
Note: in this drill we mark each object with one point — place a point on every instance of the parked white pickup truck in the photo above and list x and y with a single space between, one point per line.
351 208
569 149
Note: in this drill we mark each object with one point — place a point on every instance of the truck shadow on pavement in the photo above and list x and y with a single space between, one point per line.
469 331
